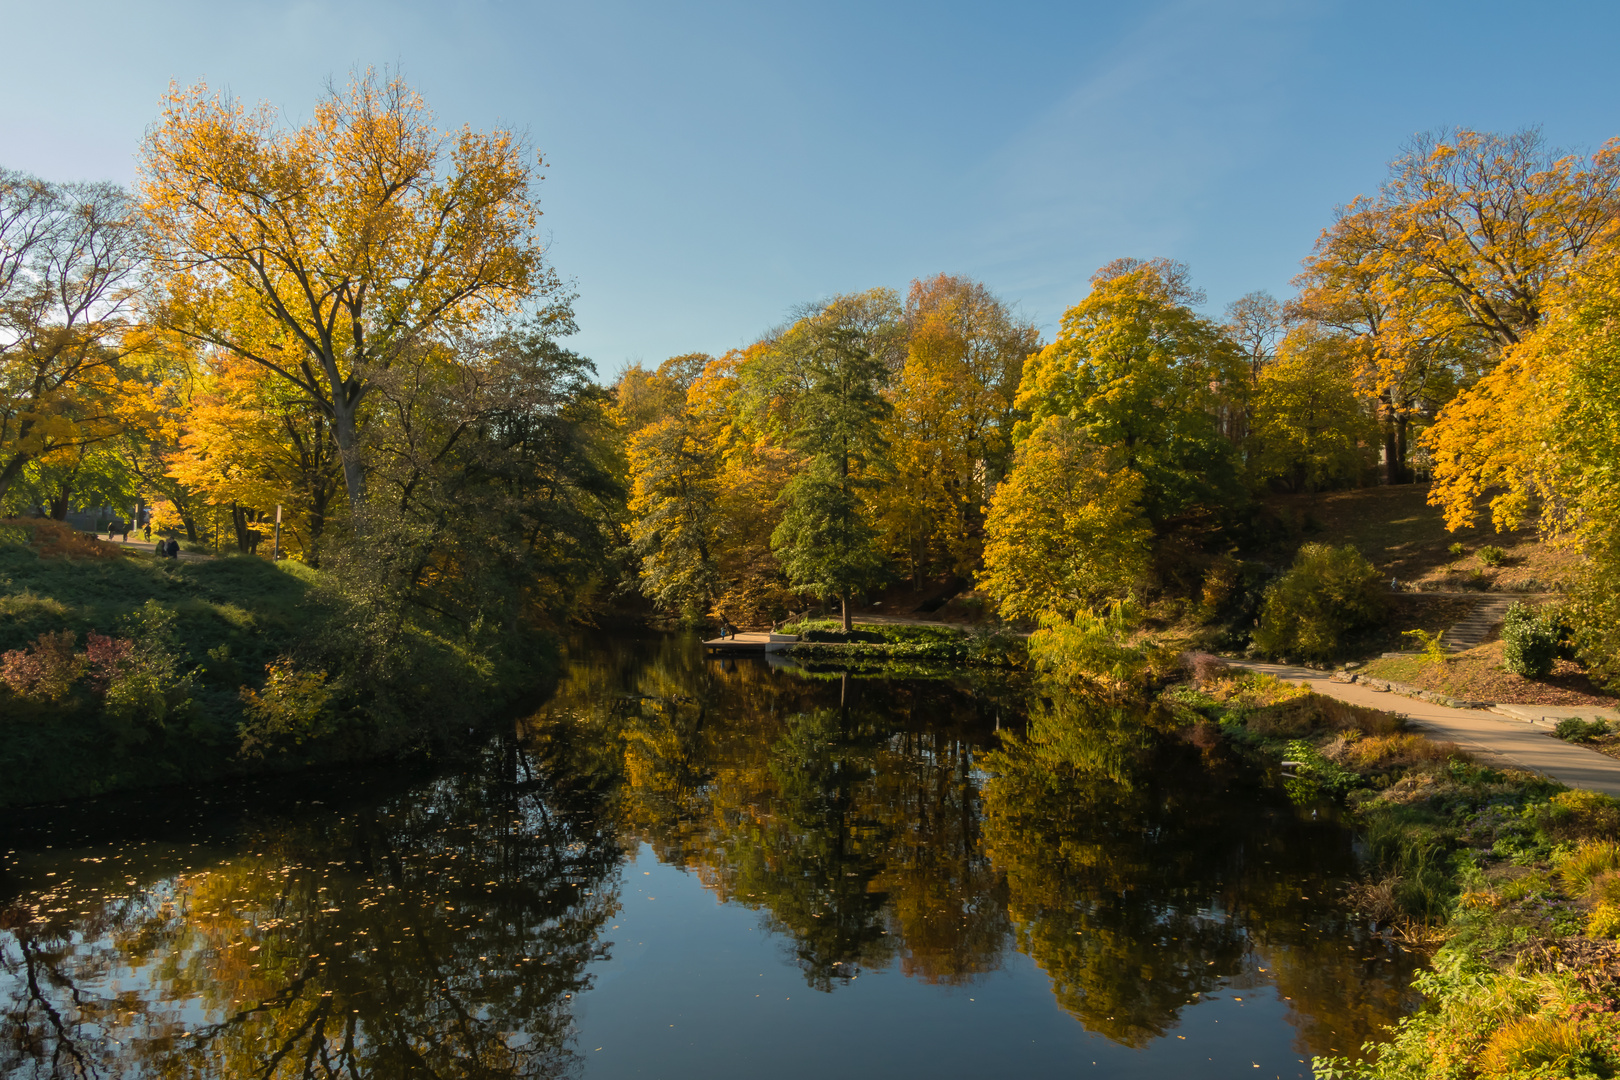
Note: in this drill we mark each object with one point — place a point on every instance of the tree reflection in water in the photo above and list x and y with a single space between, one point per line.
872 823
438 934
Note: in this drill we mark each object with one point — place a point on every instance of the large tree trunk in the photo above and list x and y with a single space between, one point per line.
1393 451
13 468
346 433
1401 423
844 596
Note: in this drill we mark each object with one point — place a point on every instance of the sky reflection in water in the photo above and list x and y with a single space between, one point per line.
684 868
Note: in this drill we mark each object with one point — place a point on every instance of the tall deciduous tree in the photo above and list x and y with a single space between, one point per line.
1145 376
67 263
674 496
834 413
1312 426
325 252
1451 262
951 432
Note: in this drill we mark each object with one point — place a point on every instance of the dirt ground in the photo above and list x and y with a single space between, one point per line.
1402 534
1477 675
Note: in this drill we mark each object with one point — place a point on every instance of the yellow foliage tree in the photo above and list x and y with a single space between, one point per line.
1066 530
251 442
1450 264
951 431
324 252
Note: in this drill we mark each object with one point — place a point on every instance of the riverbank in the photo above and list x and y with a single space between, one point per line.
889 640
1512 880
119 671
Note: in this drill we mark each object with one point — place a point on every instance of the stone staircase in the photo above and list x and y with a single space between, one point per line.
1477 624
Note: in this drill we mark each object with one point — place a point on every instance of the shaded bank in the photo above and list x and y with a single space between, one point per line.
120 672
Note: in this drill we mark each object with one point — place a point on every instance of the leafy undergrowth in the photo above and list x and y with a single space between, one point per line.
1478 675
1513 880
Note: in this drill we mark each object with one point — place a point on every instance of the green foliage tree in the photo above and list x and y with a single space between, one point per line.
1312 428
1146 376
826 541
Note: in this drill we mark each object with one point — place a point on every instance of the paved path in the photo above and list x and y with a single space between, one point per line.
1526 744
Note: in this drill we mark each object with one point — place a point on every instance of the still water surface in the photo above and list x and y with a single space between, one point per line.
683 867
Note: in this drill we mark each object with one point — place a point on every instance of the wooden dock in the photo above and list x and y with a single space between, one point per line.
750 643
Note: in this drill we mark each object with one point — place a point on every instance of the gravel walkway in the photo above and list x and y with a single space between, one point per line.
1527 744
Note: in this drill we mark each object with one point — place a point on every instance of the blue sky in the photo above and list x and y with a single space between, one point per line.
713 165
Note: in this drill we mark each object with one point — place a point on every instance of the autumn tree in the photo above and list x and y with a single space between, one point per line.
643 397
674 496
1066 529
1147 377
951 431
252 442
1537 441
1256 322
325 252
1450 263
68 256
1312 425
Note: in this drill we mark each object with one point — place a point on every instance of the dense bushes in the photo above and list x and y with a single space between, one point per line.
1530 641
1325 600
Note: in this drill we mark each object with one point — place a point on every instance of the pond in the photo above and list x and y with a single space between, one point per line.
687 867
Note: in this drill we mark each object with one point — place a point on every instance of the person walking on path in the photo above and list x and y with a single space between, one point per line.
148 532
113 528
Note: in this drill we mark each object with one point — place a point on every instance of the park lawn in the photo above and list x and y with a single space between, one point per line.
1405 537
1477 675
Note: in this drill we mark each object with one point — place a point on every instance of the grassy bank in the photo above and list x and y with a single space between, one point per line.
120 670
825 640
1478 674
1512 881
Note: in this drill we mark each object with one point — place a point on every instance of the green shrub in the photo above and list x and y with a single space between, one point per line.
1491 555
1530 641
1579 815
1574 729
1594 614
1457 551
1328 597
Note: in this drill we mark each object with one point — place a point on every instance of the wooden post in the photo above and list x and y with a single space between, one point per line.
275 551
